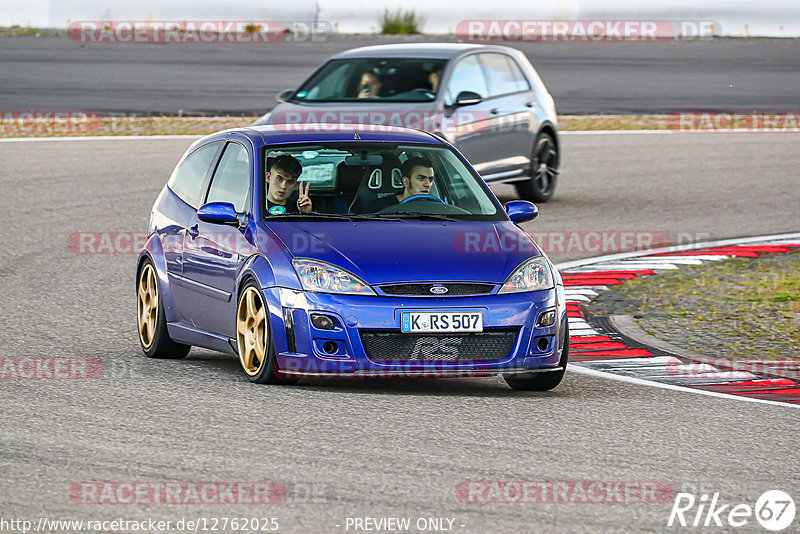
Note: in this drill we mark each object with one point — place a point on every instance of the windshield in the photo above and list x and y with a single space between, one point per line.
373 181
374 80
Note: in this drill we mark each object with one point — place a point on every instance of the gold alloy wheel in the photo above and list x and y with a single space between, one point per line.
251 331
147 305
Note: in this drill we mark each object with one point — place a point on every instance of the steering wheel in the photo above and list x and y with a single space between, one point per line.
422 196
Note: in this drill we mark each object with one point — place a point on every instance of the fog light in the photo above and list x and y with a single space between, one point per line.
323 322
547 318
543 344
330 347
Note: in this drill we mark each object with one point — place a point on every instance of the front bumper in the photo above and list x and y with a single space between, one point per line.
303 350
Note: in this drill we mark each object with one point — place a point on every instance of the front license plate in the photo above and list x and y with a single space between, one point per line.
441 322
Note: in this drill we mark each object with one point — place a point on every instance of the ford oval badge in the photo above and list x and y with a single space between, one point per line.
438 290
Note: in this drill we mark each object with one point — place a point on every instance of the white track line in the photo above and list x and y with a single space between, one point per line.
674 260
618 267
577 290
577 368
703 258
577 298
583 332
97 138
617 132
188 136
682 132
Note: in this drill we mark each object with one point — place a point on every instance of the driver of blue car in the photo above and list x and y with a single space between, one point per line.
281 177
417 180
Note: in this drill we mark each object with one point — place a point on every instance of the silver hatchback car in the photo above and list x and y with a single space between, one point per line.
487 100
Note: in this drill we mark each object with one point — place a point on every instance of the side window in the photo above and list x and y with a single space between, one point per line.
467 76
462 192
503 74
231 181
189 176
522 82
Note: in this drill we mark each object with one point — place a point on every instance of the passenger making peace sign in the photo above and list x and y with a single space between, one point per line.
281 178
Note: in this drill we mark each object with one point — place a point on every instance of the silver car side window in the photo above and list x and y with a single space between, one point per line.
503 75
467 76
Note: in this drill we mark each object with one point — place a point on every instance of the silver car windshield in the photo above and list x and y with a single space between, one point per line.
374 80
383 179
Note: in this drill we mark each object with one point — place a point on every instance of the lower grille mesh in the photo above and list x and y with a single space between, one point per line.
395 346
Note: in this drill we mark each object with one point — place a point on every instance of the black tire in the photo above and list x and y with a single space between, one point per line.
266 372
544 171
541 381
160 344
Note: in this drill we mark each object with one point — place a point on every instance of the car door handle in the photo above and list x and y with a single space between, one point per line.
193 231
494 111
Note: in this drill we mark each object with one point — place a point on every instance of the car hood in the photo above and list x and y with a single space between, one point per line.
382 252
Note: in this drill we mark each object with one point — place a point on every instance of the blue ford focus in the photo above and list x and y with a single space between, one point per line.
345 252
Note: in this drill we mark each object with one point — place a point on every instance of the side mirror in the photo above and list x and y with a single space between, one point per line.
218 213
468 98
284 95
520 211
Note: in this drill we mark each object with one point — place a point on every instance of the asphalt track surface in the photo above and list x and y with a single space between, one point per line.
56 74
387 448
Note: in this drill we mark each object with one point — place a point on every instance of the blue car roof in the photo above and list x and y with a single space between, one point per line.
328 133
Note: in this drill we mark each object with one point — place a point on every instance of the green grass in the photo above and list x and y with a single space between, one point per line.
401 22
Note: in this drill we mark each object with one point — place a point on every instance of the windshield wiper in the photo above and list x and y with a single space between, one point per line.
397 216
375 217
335 216
314 214
422 216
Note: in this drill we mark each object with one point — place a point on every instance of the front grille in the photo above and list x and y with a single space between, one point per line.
396 346
424 290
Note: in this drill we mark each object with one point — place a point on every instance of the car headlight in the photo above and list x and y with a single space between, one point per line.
533 275
326 278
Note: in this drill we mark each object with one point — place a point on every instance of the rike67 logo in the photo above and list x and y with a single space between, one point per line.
774 510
